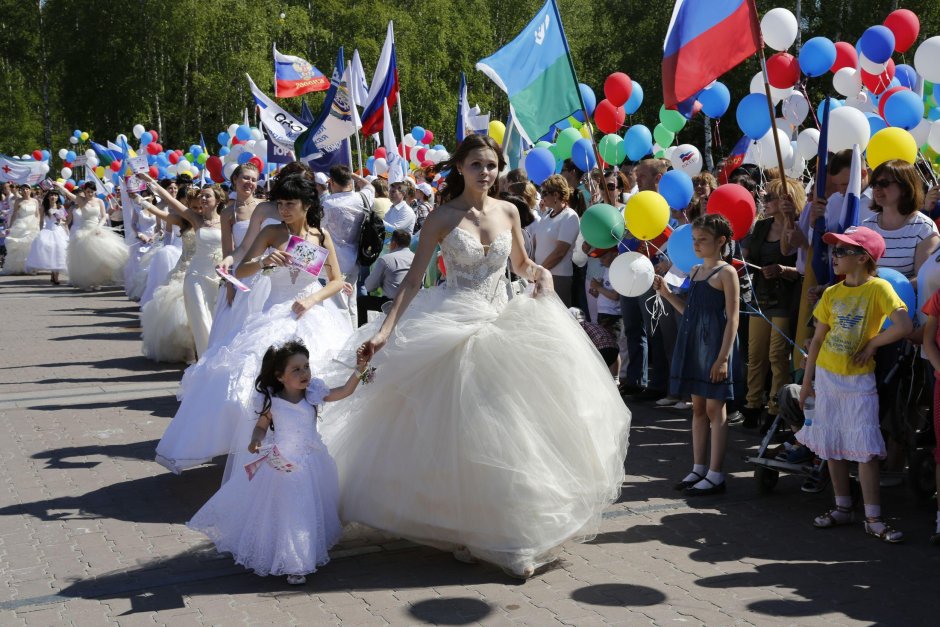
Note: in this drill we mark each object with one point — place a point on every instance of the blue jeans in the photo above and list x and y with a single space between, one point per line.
644 348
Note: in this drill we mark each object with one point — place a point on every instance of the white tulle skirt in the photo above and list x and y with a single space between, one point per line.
215 416
18 242
500 431
96 257
166 333
228 319
135 271
49 251
160 262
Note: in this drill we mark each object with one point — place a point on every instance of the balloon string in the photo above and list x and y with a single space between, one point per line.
755 309
929 169
809 102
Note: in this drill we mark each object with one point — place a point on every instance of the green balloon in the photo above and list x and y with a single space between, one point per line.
663 136
543 144
202 158
660 154
556 152
189 157
565 141
609 147
602 226
672 120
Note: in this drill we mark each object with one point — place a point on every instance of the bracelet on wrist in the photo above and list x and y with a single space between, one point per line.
367 375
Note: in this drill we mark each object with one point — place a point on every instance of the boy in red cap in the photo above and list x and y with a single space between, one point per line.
845 428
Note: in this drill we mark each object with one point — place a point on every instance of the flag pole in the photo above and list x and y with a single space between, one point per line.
352 98
608 195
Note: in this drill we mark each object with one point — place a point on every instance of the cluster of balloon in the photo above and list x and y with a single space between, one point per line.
420 151
78 136
37 155
239 143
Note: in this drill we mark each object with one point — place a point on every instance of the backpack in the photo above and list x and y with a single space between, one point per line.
371 235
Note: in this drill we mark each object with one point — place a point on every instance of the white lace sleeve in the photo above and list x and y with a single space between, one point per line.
316 391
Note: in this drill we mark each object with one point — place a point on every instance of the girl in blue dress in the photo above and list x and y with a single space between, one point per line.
706 355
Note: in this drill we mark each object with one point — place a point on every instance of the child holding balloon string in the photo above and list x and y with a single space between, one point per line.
705 361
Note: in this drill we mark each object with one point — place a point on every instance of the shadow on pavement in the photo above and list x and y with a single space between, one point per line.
65 458
618 595
159 406
451 610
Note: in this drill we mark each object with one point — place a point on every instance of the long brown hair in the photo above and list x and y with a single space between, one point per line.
454 180
905 175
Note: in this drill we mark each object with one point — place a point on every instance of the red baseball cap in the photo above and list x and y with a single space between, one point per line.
863 237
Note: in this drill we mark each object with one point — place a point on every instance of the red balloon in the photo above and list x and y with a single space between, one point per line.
155 136
617 88
428 137
404 151
609 118
846 56
884 98
380 153
736 204
153 171
257 161
69 186
420 155
214 164
878 84
67 164
427 164
905 26
235 141
37 155
783 70
154 148
174 158
116 165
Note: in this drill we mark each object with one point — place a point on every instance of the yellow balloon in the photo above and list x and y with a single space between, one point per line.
60 180
497 131
891 143
84 137
585 131
99 171
646 215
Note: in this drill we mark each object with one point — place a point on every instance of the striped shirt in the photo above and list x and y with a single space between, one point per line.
901 244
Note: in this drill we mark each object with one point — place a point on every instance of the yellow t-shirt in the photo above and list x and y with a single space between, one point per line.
854 316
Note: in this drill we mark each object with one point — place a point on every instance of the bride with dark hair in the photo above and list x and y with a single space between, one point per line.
492 428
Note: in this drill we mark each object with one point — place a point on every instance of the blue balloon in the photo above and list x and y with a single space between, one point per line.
549 136
70 156
904 109
559 164
934 114
162 173
244 157
196 150
224 138
905 75
680 249
636 99
563 124
903 288
715 100
582 153
418 133
439 147
875 123
587 95
676 187
539 165
833 105
224 150
243 133
753 116
151 159
145 138
76 133
877 43
816 56
638 142
369 163
45 155
115 178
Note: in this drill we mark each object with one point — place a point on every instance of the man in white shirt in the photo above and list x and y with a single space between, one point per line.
388 272
554 235
400 215
343 213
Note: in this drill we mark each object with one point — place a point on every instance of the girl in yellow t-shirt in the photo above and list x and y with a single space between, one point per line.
849 317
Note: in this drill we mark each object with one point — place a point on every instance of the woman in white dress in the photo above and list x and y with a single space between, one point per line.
143 228
201 286
97 254
50 247
160 261
492 428
215 416
24 227
166 334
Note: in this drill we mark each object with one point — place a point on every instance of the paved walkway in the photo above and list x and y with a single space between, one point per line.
92 532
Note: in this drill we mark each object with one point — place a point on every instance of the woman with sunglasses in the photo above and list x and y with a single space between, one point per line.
909 235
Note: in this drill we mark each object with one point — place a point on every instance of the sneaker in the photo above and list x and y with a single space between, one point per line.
799 455
684 405
296 580
734 418
817 481
667 401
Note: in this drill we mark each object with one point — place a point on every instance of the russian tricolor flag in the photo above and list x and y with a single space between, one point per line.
706 38
294 76
384 87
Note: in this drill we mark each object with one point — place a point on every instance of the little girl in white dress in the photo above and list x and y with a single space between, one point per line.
280 515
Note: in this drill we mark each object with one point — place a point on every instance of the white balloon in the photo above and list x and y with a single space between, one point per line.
795 108
256 134
380 166
657 149
847 81
109 187
750 156
261 149
408 140
668 152
631 274
231 129
862 102
796 170
172 169
250 145
779 28
927 59
757 87
933 138
236 150
785 125
870 66
808 143
139 130
90 153
687 158
766 151
228 168
92 161
922 131
66 173
73 140
44 167
63 152
847 127
121 138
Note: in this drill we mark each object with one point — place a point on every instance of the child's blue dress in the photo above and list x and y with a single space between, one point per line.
701 332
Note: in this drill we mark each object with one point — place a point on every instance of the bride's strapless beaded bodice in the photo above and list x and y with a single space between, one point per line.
473 267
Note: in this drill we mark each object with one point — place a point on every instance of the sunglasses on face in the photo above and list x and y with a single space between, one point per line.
880 184
841 251
611 186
